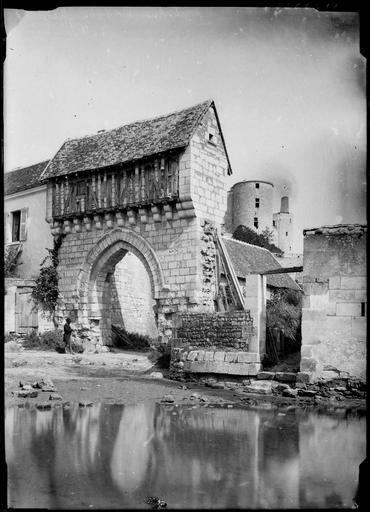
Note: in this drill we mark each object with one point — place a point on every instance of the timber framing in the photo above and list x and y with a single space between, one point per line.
145 183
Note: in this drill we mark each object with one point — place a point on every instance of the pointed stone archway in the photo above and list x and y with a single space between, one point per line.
93 293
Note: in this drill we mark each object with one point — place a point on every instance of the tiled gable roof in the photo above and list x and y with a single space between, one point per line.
251 259
23 179
127 143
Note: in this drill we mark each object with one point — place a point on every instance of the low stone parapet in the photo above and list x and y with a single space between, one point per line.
216 343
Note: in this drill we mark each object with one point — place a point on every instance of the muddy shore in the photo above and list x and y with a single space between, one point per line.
125 378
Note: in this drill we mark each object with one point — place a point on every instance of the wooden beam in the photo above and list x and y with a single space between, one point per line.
282 270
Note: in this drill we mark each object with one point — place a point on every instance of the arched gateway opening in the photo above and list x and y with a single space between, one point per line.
119 284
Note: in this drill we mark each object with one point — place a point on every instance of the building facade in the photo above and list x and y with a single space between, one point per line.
147 189
24 218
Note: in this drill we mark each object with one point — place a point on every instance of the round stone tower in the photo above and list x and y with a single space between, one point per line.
251 205
283 226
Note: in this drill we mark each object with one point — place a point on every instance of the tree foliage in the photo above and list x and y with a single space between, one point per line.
284 312
11 260
251 236
46 291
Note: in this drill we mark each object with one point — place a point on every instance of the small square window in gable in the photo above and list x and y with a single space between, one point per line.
211 137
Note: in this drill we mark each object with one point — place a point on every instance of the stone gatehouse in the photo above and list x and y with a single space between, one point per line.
146 193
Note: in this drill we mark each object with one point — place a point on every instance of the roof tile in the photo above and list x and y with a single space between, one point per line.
127 143
251 259
23 179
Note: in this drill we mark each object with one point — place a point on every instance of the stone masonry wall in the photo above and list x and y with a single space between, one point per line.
131 296
176 244
214 343
203 172
335 303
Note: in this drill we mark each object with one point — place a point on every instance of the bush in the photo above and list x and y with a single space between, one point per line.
31 340
284 312
45 293
11 337
161 355
50 340
130 340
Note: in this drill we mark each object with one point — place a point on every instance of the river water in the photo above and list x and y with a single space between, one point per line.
114 456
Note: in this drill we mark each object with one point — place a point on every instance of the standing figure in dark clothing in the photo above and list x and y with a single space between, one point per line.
67 335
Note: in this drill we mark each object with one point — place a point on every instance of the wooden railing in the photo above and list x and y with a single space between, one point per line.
148 183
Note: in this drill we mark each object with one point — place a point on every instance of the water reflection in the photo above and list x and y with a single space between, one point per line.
113 456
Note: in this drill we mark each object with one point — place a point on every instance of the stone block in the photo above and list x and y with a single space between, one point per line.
349 309
192 355
222 367
338 326
208 356
353 283
248 357
342 295
308 364
219 356
306 351
334 282
319 302
265 375
307 393
311 315
359 328
230 357
290 393
303 377
285 376
259 386
361 295
200 356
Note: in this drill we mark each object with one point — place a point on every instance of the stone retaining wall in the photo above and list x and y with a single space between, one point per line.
335 303
214 343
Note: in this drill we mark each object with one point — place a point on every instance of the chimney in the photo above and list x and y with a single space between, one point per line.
284 208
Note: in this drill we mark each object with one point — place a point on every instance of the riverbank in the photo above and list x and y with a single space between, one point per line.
48 379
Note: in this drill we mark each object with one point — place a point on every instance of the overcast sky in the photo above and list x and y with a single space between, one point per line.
289 87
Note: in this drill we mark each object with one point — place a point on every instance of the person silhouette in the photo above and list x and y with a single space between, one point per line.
67 336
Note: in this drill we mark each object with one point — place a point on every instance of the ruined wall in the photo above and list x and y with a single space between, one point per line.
131 296
214 343
335 303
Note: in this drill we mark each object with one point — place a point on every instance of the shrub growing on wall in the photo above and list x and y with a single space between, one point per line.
11 260
46 292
